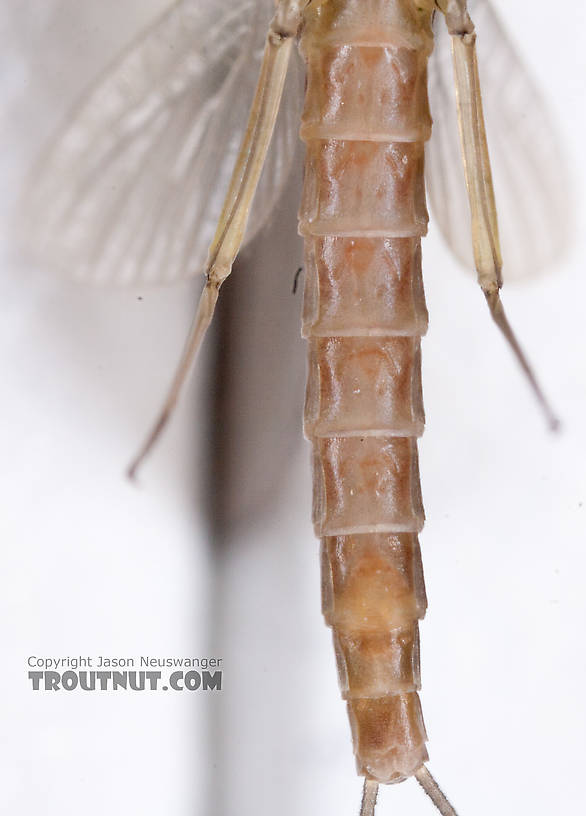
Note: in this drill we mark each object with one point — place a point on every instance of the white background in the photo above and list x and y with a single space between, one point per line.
92 565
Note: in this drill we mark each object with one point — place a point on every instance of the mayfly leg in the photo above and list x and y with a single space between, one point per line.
485 236
232 224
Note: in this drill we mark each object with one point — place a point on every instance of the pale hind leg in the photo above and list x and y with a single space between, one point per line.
485 237
232 223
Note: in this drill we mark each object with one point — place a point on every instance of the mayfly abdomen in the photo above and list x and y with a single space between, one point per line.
363 213
131 190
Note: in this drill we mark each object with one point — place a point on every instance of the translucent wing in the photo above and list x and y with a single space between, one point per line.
529 175
132 187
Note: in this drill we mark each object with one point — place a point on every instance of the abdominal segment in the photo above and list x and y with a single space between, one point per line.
362 215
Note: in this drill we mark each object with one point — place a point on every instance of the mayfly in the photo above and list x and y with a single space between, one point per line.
146 161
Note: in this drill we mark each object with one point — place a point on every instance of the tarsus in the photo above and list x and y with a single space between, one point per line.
498 315
203 316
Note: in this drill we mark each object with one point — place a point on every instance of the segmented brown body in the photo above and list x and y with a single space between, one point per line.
363 213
